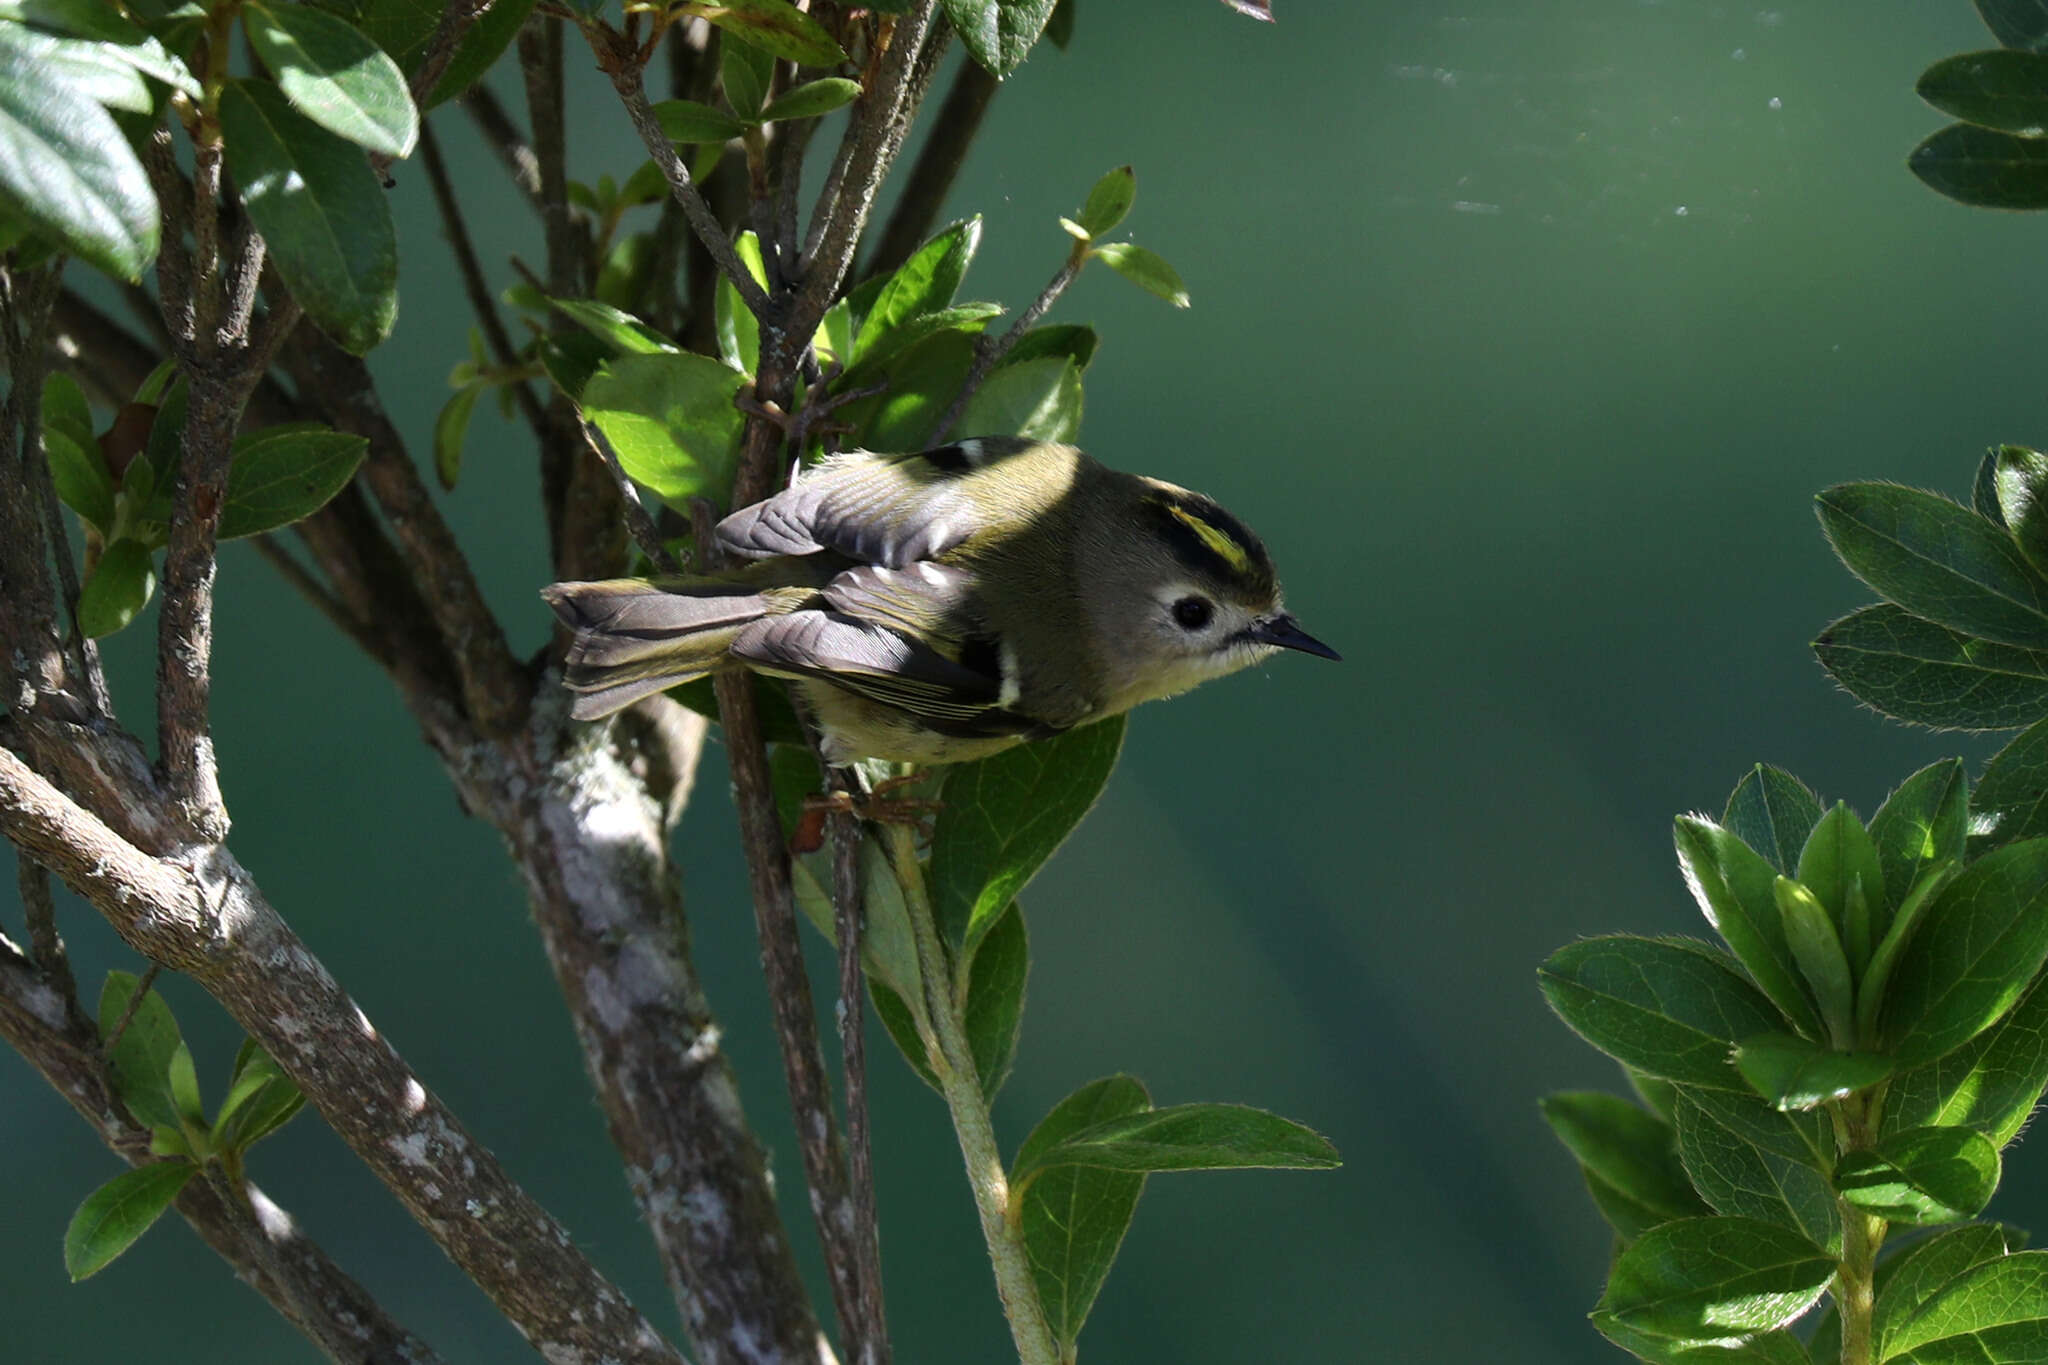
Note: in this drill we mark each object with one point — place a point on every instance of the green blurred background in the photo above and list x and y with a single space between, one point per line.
1525 333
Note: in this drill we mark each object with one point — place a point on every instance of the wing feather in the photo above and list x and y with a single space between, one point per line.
870 660
890 510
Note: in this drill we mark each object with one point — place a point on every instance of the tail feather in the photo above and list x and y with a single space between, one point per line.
635 637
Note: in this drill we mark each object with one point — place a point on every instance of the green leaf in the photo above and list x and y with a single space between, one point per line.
745 71
1923 1175
184 1081
1632 1153
773 26
1773 812
1802 1136
1065 338
451 428
624 333
110 32
2017 23
280 474
998 33
2020 478
1937 560
738 330
1817 948
1796 1073
1923 823
1737 1177
995 999
321 212
141 1060
1756 1348
687 121
888 951
335 76
2011 800
901 1026
261 1099
1975 952
923 380
923 284
1732 886
1898 937
478 51
1109 202
1186 1137
1840 867
119 588
1999 89
76 465
1670 1007
1709 1279
812 99
1039 400
118 1212
1909 1280
99 72
1984 168
1995 1313
969 319
1074 1217
1144 268
1001 817
570 358
1990 1084
65 166
670 418
1984 488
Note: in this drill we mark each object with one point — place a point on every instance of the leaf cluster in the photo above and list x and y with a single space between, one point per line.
1996 154
152 1072
1850 1060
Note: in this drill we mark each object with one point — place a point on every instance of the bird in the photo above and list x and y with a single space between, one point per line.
944 605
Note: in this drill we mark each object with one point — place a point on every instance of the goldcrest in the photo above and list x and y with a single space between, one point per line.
945 605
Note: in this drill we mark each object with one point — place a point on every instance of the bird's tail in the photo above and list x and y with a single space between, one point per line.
636 637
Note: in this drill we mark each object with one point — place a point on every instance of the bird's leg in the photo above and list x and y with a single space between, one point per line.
876 805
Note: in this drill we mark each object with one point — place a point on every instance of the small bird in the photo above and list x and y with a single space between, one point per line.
941 606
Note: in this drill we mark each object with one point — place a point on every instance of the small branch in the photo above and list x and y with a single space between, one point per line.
872 1341
258 1240
989 350
45 943
637 520
962 1088
931 177
454 25
789 991
206 917
626 79
504 139
173 261
473 284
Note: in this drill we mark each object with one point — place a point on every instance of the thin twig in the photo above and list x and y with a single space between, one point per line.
504 139
453 26
626 79
938 162
173 261
989 350
473 284
637 520
44 941
848 915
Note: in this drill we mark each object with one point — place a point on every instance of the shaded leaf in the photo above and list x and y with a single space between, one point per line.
1633 1153
1840 867
1065 338
1796 1073
280 474
1925 822
1737 1177
1773 812
1907 1281
1732 885
335 76
1074 1217
1990 1084
994 1017
118 1212
1670 1007
2017 23
76 466
923 380
2011 799
119 588
321 212
1975 952
1040 400
1984 168
451 429
1804 1136
2000 89
65 166
1709 1279
923 284
141 1059
1937 560
773 26
688 121
744 71
998 33
1186 1137
1003 816
1922 1175
969 319
1995 1313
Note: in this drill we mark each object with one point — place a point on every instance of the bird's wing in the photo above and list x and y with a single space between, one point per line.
890 510
871 660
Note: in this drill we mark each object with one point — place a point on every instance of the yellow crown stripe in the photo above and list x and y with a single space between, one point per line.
1221 542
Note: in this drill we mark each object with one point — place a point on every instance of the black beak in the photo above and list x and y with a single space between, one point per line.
1286 632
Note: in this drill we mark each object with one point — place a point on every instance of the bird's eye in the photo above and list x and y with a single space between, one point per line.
1192 613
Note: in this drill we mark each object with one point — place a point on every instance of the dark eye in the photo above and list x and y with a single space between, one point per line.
1192 613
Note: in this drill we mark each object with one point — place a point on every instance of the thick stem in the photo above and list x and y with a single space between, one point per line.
1855 1282
971 1124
